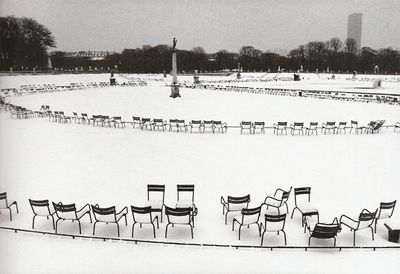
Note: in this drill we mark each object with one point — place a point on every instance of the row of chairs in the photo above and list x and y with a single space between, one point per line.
275 221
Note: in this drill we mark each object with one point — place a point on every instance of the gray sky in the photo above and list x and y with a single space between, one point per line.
212 24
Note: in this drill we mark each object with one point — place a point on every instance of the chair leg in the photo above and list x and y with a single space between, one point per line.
226 218
117 228
80 229
372 232
33 222
262 237
354 238
133 229
284 236
376 221
154 230
291 217
191 230
52 218
94 228
57 224
10 214
166 230
240 229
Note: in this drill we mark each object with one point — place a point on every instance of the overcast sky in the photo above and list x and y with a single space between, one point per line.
212 24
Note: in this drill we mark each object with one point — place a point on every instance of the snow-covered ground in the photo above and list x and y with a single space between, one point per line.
86 164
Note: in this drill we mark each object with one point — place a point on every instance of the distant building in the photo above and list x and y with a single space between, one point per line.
354 28
92 55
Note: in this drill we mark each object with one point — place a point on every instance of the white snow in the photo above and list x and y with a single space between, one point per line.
86 164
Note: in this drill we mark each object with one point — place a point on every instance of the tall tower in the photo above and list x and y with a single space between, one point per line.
354 28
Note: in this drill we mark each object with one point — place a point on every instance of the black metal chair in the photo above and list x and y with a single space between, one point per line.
159 124
329 127
354 126
280 127
234 204
179 216
108 215
304 207
155 198
136 121
365 220
279 200
117 121
341 128
143 215
41 208
297 127
259 126
249 216
246 125
196 124
396 126
312 128
146 123
185 198
208 125
273 223
325 231
69 212
385 211
5 205
219 126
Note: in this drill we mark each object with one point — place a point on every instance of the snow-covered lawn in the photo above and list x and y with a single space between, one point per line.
86 164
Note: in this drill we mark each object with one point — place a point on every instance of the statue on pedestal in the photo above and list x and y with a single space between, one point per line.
174 85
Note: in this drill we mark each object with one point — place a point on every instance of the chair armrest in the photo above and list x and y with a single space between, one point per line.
125 208
365 210
345 216
85 206
223 202
270 197
278 190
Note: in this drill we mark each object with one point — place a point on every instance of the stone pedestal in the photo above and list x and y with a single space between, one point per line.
175 90
174 85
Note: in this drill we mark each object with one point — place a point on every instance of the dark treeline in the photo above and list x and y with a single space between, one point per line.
24 44
333 56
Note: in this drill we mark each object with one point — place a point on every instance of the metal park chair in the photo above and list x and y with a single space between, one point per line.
117 121
208 125
146 123
365 220
396 126
105 121
280 127
177 124
249 216
136 121
96 120
385 211
69 212
108 215
173 124
41 208
259 126
375 127
159 124
84 118
143 215
234 204
185 197
5 205
341 128
273 223
325 231
354 126
328 127
304 207
279 200
196 124
312 128
155 198
221 127
297 127
246 125
179 216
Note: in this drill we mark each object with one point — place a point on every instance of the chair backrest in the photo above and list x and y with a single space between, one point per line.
282 124
38 205
299 191
250 215
217 123
342 124
208 122
386 207
104 214
277 222
285 196
180 122
239 200
195 122
298 124
178 214
245 124
141 214
65 211
173 121
378 125
185 192
136 119
145 120
313 125
3 200
365 219
156 192
354 124
330 124
158 121
325 231
259 123
117 118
